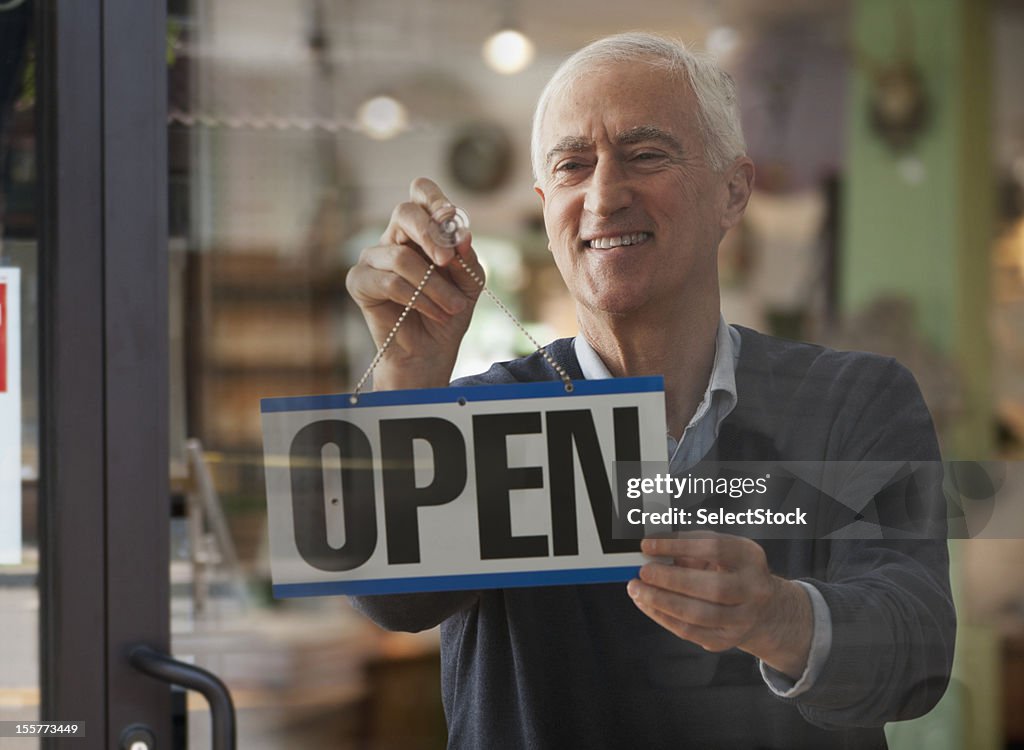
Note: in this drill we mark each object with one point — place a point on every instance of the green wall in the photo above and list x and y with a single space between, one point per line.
929 239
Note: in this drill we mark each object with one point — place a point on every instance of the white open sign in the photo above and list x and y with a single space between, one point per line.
454 488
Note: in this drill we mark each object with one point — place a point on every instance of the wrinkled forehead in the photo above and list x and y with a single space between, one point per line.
625 95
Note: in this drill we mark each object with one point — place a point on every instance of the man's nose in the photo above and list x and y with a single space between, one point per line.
609 189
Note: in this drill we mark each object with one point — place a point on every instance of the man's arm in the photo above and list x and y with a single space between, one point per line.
421 353
414 612
892 621
893 632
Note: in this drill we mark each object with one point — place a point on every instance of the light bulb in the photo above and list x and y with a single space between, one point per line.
508 51
721 41
382 117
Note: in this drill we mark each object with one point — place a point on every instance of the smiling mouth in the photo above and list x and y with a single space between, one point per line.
607 243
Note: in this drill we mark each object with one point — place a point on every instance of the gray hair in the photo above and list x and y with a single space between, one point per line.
715 91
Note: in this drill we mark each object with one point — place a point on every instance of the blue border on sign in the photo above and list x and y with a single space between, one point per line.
515 579
503 392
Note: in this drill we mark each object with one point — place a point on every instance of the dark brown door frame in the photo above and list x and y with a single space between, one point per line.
104 362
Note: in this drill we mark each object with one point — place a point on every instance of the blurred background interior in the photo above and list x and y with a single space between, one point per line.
888 216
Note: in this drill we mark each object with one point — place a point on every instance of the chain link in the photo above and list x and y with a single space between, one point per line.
354 398
501 306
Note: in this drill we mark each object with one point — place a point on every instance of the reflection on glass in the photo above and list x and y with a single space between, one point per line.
269 195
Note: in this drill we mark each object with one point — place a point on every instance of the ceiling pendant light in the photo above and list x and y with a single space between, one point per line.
508 51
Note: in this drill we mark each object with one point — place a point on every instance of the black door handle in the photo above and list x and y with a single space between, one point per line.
222 710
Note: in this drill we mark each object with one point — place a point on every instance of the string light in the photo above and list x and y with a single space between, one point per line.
382 117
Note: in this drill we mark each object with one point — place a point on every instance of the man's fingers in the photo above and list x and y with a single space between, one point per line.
372 287
417 217
711 586
684 561
411 266
411 224
400 292
686 609
717 549
428 194
471 278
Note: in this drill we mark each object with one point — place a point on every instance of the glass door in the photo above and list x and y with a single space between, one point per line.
200 175
140 344
264 220
83 468
19 379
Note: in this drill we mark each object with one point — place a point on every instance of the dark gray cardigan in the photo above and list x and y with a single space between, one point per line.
581 667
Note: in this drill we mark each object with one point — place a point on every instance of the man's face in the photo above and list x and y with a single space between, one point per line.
633 212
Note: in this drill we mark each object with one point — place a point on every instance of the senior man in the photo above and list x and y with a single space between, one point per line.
640 169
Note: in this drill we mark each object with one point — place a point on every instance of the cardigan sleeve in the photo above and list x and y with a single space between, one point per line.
893 619
414 612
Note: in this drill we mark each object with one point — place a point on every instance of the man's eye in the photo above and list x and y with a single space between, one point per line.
647 155
568 166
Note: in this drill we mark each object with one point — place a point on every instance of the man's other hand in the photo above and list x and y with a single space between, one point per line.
718 592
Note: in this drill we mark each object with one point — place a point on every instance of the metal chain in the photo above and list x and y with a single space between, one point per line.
501 306
354 398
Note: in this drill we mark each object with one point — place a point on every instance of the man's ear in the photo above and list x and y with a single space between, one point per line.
540 191
739 184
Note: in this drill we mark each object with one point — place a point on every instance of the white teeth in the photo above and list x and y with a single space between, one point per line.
606 243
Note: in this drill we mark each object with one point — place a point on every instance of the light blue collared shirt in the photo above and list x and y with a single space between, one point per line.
719 400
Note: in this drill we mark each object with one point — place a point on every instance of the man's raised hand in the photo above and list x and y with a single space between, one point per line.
424 349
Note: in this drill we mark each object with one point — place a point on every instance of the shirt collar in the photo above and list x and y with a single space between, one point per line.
723 371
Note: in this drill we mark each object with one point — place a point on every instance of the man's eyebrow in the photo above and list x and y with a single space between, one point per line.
569 144
648 133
